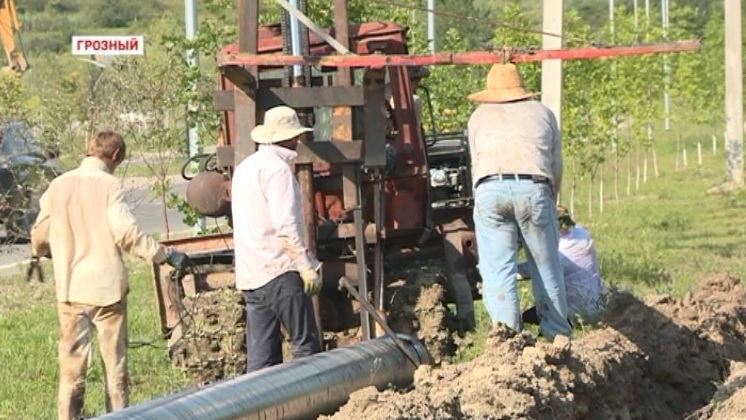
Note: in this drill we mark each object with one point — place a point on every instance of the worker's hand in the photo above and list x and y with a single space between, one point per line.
311 281
176 259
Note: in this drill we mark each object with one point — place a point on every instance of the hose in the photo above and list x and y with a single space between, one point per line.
208 163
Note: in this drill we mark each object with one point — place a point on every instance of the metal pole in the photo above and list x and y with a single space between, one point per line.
431 25
666 69
190 14
635 9
305 171
734 91
551 70
295 38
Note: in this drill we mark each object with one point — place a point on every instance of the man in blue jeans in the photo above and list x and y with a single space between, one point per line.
274 271
516 152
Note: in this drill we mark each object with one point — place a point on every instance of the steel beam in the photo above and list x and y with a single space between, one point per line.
467 58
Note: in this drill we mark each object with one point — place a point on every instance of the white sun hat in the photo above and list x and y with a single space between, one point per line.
281 123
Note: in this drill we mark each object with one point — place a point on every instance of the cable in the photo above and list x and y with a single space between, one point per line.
475 19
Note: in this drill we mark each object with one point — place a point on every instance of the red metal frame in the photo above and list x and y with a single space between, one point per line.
469 58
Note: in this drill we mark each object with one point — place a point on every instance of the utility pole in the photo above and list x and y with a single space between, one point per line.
734 92
551 70
666 69
190 11
190 18
431 25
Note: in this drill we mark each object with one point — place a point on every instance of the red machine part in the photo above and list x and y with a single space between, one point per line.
405 191
474 57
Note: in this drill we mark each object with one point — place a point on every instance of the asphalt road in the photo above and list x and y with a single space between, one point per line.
149 216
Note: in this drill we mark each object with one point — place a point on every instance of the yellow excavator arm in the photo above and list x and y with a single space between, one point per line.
9 26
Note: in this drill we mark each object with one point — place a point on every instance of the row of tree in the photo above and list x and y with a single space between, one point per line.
612 109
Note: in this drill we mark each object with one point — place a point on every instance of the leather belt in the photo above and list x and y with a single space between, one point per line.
513 177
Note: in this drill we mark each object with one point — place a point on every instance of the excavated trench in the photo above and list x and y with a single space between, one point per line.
657 358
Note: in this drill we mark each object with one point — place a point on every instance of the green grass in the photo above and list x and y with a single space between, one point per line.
29 334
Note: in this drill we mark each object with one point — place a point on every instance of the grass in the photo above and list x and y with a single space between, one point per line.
663 238
29 333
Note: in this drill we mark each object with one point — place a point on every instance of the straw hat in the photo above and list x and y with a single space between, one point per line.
281 123
504 84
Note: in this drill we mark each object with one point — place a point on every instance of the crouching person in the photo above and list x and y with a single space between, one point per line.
585 288
84 224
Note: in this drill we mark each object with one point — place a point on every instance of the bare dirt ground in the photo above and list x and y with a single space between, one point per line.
657 358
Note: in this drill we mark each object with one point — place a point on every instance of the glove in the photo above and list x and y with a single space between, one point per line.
177 259
311 281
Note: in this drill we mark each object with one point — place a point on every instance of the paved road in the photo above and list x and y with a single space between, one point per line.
149 216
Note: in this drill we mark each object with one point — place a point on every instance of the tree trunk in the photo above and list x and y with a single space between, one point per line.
629 174
616 176
678 145
590 196
601 189
637 174
164 208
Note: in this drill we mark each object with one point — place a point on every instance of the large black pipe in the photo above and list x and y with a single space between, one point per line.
300 389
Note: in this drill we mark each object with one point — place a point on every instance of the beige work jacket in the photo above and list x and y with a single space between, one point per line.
86 224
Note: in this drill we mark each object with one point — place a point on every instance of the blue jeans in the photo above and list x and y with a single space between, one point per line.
505 211
282 300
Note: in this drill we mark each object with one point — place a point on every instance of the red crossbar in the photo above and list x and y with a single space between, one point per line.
474 57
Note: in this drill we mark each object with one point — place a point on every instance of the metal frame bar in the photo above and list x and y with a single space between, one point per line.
467 58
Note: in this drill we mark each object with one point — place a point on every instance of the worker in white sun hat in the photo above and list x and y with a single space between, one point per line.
274 270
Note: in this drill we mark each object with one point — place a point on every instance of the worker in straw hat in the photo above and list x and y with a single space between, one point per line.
516 152
274 271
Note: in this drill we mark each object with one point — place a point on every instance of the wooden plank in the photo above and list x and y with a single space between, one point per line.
225 156
375 119
329 152
350 179
296 97
342 116
222 100
310 97
245 113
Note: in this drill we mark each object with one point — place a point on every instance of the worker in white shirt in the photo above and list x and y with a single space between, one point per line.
583 282
275 272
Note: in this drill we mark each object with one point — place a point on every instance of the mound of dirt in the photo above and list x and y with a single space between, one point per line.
415 301
658 358
213 344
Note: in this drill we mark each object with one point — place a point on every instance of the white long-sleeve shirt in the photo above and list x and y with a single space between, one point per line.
583 282
267 218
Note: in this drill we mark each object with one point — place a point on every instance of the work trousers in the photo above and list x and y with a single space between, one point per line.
505 210
76 324
282 301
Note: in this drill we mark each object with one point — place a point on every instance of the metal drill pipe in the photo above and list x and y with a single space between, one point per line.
301 388
343 282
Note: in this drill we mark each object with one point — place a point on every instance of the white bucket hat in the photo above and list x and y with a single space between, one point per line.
280 124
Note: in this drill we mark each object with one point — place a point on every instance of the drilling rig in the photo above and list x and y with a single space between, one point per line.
375 187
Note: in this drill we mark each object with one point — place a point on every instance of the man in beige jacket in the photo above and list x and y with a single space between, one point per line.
84 224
